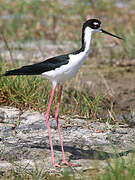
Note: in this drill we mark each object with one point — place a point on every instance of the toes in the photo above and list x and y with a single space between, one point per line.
55 165
69 164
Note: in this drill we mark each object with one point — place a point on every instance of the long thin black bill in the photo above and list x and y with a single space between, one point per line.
103 31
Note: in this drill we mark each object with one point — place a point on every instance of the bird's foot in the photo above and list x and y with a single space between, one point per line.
64 162
55 165
69 164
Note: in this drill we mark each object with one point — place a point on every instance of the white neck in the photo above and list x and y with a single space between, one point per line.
77 58
87 39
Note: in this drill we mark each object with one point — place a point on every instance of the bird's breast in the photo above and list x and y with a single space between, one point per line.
69 70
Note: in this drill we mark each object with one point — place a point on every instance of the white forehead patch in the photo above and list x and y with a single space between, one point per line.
95 23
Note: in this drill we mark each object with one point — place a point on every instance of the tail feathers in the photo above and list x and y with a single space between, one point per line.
25 70
13 72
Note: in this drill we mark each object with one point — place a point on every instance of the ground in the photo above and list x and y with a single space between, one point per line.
87 144
92 139
116 81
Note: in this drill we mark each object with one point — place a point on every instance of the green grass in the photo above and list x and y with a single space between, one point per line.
119 168
36 175
49 20
130 44
33 92
29 20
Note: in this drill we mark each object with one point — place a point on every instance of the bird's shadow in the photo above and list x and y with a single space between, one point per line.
79 153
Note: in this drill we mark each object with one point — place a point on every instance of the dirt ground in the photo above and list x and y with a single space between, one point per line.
115 82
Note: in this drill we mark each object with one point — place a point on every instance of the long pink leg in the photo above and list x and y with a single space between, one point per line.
64 161
48 126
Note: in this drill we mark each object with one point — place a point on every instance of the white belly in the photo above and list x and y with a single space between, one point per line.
65 72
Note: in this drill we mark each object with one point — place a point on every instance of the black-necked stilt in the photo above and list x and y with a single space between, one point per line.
59 69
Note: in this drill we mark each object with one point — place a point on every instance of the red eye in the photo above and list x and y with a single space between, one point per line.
95 25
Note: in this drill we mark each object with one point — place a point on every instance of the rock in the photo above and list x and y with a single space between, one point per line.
2 117
132 121
27 144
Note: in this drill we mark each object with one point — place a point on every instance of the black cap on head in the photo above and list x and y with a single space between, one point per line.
93 23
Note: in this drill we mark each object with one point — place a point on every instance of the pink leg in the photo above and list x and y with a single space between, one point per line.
59 131
48 126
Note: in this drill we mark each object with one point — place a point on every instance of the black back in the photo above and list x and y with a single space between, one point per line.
55 62
39 68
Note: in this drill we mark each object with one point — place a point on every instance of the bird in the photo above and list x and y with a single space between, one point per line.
58 70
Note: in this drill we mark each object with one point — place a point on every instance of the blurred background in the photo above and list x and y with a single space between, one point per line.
33 30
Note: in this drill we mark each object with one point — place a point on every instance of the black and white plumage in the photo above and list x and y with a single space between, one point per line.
59 69
39 68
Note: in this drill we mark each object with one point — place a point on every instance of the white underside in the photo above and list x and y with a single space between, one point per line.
67 71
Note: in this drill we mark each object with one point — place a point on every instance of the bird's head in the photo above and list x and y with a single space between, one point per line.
95 26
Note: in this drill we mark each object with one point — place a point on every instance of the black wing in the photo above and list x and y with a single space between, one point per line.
39 68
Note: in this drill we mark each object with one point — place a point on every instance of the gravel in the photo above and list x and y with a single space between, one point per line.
25 141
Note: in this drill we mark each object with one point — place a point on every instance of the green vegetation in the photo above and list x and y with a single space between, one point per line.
23 21
27 20
33 92
121 168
